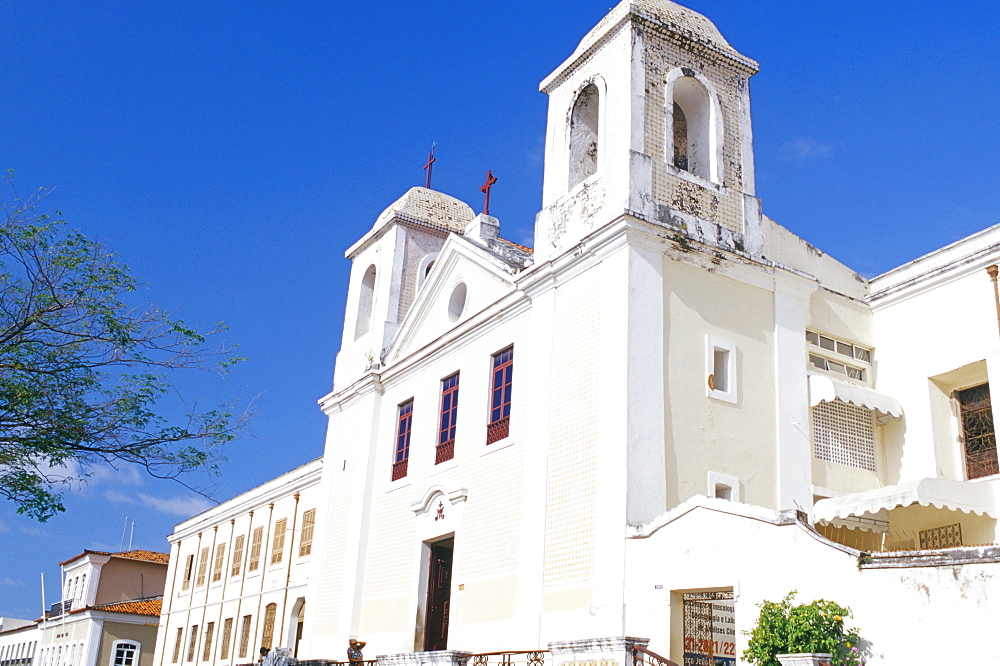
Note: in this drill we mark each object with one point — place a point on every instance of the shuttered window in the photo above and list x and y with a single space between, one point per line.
255 545
220 558
308 527
202 566
245 636
206 651
237 556
268 639
227 636
188 568
177 645
192 643
278 542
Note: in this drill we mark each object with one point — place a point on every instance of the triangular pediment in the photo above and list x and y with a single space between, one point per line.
465 281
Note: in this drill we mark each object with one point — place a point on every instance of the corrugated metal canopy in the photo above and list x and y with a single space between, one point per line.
823 388
966 496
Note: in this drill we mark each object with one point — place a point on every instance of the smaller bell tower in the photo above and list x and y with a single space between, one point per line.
389 264
650 116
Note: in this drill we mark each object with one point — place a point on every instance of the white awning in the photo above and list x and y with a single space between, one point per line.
966 496
825 388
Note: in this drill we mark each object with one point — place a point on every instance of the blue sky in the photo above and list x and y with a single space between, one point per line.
231 151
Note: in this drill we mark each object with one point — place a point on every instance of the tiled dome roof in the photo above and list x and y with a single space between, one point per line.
431 207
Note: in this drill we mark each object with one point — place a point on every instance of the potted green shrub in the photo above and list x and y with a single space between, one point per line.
803 635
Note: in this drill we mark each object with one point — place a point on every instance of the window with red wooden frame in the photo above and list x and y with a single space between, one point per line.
401 459
503 375
449 418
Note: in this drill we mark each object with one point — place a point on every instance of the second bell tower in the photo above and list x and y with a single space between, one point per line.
650 116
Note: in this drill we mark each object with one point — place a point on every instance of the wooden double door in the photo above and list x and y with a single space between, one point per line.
438 603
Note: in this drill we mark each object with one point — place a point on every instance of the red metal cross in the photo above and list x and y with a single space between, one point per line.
428 167
485 189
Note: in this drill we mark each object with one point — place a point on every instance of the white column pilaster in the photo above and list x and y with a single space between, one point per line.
794 448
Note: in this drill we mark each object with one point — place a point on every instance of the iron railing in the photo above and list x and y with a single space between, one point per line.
445 451
498 430
510 658
643 657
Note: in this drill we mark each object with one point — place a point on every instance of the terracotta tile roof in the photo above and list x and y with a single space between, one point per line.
520 247
144 607
145 555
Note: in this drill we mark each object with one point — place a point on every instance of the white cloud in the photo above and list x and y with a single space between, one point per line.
803 149
33 531
118 497
86 477
537 154
125 475
185 507
11 582
3 527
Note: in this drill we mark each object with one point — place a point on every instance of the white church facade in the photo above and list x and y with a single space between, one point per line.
670 402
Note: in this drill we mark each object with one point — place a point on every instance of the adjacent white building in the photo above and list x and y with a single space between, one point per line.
18 641
240 573
109 611
669 410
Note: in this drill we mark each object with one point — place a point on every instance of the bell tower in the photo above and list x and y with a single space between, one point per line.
650 116
388 266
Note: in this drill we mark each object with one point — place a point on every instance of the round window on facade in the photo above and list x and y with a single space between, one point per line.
456 304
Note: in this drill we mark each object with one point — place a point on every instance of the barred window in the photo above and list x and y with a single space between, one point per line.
202 566
245 636
258 539
206 652
844 433
268 638
237 556
976 410
278 543
308 526
177 645
220 558
227 636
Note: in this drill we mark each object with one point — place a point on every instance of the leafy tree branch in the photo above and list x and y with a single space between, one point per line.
83 374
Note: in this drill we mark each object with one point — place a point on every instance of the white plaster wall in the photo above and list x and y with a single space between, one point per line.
940 324
793 458
786 249
704 433
908 614
348 470
487 525
586 453
840 316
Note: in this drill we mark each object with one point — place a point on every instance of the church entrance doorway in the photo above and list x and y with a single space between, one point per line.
438 594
